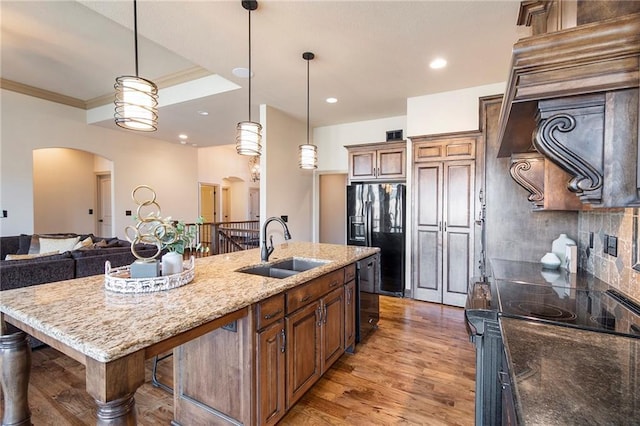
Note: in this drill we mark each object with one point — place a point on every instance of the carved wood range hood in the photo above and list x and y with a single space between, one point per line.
571 110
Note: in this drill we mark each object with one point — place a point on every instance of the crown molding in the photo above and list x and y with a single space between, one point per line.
25 89
166 81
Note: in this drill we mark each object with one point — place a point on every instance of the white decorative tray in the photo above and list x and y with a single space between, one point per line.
119 279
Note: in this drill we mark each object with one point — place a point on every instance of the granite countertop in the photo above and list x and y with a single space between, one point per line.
565 376
105 326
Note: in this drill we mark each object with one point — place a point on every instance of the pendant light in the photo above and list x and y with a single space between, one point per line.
136 98
248 133
308 152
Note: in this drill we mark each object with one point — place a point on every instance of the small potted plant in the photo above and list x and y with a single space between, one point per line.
176 237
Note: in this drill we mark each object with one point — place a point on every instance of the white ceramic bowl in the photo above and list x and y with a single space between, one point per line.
550 261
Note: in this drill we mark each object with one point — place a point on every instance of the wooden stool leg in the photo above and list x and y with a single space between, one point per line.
120 412
15 367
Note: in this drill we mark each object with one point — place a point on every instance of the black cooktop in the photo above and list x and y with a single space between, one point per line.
599 310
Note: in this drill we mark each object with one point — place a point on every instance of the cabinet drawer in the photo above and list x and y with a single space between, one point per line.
313 290
350 273
269 311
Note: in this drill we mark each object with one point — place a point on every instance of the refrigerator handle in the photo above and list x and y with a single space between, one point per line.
367 223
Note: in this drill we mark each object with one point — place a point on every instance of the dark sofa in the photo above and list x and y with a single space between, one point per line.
58 267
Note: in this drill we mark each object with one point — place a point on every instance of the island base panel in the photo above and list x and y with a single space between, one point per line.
213 377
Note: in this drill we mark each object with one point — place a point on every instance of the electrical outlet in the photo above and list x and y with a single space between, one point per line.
605 244
590 239
613 246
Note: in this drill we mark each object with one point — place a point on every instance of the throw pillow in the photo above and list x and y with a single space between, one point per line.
87 242
25 243
57 244
28 256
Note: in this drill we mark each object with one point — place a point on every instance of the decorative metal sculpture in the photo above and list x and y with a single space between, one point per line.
150 228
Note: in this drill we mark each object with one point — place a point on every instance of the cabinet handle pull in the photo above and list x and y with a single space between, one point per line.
319 315
348 296
325 314
269 316
304 299
439 226
333 284
284 340
445 226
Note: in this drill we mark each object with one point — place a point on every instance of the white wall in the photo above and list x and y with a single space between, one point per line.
290 189
332 156
64 190
445 112
30 123
223 166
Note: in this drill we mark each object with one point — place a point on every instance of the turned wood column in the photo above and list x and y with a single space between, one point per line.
15 367
113 385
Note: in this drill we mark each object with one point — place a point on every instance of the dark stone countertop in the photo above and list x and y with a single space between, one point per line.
534 273
564 376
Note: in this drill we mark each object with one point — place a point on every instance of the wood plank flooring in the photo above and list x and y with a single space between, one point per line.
418 368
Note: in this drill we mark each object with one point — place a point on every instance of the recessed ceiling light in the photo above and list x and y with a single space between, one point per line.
183 136
242 72
203 113
194 144
183 142
438 63
331 100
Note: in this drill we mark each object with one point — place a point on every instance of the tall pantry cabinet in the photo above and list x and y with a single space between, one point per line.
444 194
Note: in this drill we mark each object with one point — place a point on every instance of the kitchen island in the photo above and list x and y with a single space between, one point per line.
112 334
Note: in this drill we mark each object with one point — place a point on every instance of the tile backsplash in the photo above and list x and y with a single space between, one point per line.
616 271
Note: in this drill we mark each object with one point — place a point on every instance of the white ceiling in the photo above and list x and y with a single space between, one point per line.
371 55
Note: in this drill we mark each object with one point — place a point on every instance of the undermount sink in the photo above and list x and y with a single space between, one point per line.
283 268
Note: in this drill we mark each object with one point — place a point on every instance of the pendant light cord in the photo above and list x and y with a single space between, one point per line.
135 32
249 65
307 101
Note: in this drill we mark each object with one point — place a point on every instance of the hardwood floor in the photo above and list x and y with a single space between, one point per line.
418 368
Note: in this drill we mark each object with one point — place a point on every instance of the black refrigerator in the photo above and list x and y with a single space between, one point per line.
376 218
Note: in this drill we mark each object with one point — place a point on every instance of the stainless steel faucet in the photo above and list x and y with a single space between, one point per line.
265 251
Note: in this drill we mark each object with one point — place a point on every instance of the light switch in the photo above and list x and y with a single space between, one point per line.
613 246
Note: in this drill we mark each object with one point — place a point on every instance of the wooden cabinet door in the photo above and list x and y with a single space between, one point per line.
444 230
270 373
303 351
362 165
428 183
391 163
458 241
349 315
332 327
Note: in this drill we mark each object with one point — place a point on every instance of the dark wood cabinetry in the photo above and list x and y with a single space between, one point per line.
255 369
332 327
349 315
576 91
380 161
444 207
315 340
270 360
303 350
